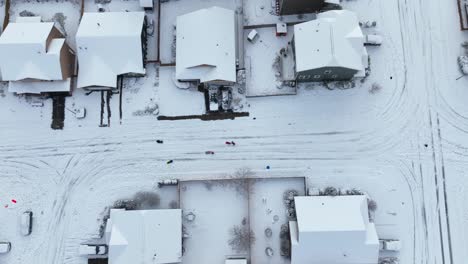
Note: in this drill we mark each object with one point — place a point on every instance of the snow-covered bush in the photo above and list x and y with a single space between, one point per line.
330 191
463 64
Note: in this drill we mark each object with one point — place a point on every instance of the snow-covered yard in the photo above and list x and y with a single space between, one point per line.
403 141
262 12
260 57
113 6
174 101
220 207
268 211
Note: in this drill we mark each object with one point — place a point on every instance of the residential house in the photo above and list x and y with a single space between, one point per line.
35 57
329 48
333 229
144 236
206 46
109 45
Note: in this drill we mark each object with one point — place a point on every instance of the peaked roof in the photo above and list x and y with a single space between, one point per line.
333 229
145 236
26 54
206 45
108 45
332 214
334 39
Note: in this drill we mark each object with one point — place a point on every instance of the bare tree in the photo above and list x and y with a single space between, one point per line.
241 238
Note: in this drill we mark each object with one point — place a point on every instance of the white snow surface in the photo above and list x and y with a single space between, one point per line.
404 144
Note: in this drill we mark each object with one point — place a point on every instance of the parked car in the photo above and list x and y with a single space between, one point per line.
26 223
86 249
5 247
390 244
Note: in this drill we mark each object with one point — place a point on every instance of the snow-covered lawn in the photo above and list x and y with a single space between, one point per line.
113 6
219 207
260 56
174 101
262 12
268 210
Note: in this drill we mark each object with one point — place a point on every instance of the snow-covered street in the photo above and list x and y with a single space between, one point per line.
406 145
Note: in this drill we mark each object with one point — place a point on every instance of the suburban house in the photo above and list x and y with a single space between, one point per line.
329 48
290 7
110 44
206 46
144 236
35 57
333 229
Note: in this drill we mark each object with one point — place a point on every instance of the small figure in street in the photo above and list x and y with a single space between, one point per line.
159 141
233 143
169 161
209 152
228 143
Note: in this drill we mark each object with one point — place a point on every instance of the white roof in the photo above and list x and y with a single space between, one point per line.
24 53
108 45
21 87
334 39
331 211
206 45
333 230
145 236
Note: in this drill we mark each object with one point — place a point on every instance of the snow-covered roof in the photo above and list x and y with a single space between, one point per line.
108 45
324 213
26 52
145 236
333 229
206 45
22 87
334 39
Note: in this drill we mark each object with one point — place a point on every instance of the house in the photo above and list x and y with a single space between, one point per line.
110 44
329 48
290 7
333 229
35 57
206 46
144 236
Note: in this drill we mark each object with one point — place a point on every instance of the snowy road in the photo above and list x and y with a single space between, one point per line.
408 142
